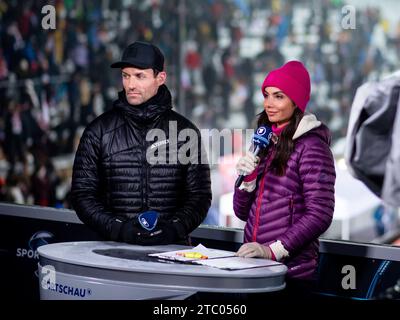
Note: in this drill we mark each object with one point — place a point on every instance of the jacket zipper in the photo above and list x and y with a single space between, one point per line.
145 174
258 209
259 199
291 204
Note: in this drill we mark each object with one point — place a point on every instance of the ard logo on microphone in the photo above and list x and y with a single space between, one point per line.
144 222
261 130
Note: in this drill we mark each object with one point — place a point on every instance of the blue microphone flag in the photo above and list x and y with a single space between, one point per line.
261 140
262 137
148 220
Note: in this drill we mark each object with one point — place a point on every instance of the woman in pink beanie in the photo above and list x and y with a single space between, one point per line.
287 198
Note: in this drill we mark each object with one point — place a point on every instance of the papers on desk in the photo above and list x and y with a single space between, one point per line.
237 263
214 258
195 254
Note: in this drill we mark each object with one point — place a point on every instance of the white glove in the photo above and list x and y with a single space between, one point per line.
247 164
254 250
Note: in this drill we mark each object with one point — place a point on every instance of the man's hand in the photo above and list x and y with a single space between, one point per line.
164 234
254 250
131 231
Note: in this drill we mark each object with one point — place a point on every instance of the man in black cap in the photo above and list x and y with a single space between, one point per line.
117 189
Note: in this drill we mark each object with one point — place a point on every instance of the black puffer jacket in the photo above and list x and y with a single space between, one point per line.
112 179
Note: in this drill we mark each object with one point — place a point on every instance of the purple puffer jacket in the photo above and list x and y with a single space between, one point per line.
295 208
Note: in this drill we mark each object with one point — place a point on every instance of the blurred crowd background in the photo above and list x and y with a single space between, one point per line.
54 82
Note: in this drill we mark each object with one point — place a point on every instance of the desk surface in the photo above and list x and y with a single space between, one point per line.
80 259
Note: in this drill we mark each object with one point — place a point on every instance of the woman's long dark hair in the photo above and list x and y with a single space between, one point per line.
285 144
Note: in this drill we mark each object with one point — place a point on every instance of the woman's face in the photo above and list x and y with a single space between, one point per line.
278 106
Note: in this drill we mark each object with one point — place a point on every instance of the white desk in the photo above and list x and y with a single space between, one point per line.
76 271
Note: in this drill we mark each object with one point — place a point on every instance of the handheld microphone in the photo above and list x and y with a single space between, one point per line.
148 220
261 140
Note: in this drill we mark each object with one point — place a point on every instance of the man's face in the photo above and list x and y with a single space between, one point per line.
141 84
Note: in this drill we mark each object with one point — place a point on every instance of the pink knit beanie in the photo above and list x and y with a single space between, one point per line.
293 79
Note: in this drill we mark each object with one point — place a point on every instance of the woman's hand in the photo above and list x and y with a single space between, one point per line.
254 250
247 164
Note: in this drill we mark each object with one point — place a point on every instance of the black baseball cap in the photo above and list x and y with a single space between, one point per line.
142 55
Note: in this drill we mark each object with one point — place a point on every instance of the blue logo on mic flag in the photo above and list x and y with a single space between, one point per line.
261 131
148 220
262 137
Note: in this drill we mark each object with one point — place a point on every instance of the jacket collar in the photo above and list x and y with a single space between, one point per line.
307 123
310 125
149 110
